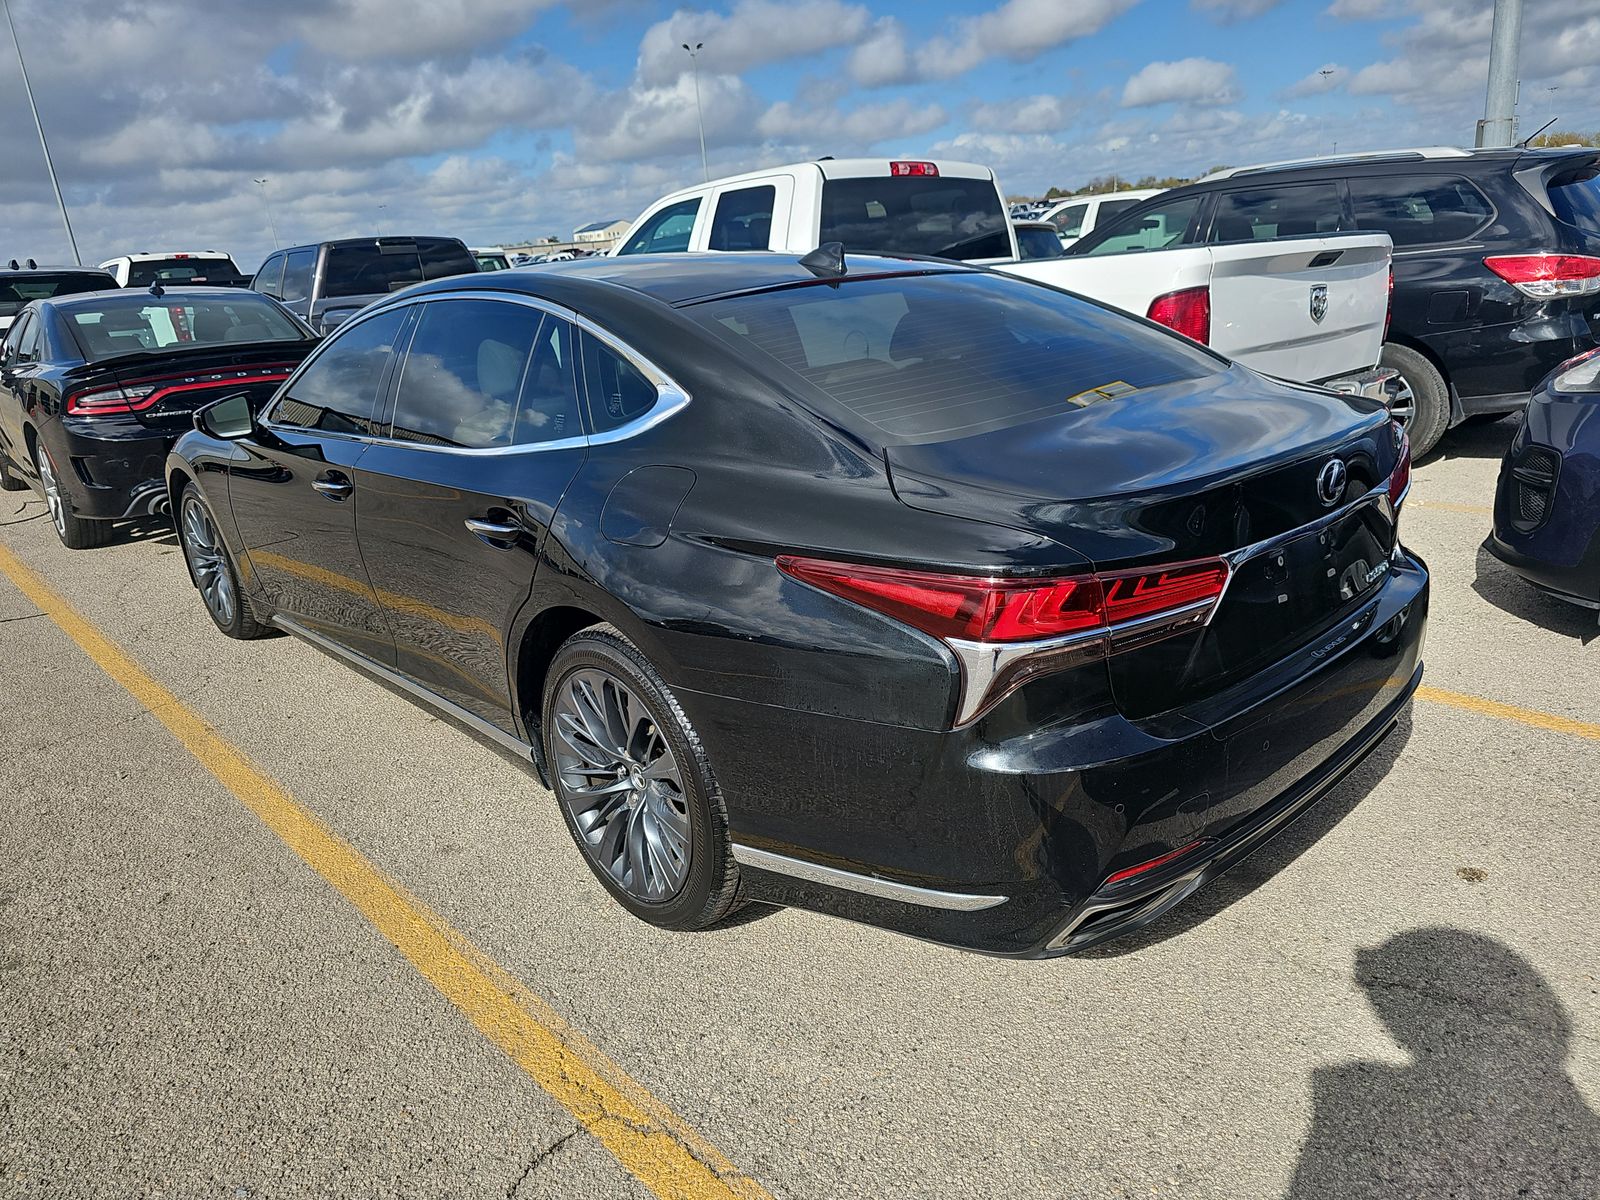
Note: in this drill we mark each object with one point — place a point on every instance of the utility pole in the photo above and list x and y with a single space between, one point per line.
39 125
267 204
1499 124
699 116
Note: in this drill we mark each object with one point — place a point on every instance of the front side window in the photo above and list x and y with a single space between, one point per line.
133 324
338 390
665 232
1416 210
743 219
269 279
297 269
1153 228
1069 221
1303 210
618 391
485 373
1110 208
944 216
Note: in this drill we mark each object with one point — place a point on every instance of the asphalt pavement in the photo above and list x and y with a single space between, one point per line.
360 957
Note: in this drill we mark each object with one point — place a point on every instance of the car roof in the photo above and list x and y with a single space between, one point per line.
88 299
370 241
151 255
24 272
1444 159
676 279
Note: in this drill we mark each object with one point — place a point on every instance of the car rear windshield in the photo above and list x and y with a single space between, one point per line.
42 285
1576 199
389 264
936 357
143 272
138 324
916 214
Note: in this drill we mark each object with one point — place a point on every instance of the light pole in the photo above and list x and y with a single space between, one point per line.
699 116
267 204
1327 74
382 208
39 125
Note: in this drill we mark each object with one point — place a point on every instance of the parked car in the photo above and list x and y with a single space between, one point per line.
95 388
1546 515
1496 260
1037 239
491 258
1078 216
182 268
21 283
329 282
1310 308
928 597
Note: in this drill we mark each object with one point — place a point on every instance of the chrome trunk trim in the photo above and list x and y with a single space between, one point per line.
869 885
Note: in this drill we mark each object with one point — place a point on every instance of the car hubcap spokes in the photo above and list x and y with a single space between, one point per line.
52 493
204 548
622 785
1402 401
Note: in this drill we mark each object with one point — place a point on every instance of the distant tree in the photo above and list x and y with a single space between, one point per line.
1560 137
1054 193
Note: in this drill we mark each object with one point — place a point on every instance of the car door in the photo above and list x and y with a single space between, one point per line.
667 230
16 381
753 215
454 505
293 495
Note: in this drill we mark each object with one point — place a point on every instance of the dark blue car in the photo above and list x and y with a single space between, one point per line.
1547 505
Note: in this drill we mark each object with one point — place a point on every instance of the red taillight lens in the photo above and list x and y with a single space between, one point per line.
143 394
1153 863
1130 596
914 168
1187 311
1400 477
1548 276
102 401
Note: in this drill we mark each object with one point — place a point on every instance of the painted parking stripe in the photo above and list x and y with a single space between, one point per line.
1481 510
1510 712
660 1149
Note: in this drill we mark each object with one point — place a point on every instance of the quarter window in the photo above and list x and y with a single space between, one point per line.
743 219
618 391
338 391
1152 228
1304 210
1417 210
667 231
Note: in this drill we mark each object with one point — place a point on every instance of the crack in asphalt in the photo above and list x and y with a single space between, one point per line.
538 1159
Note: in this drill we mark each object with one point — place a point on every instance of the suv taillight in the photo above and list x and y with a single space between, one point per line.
1548 276
1187 311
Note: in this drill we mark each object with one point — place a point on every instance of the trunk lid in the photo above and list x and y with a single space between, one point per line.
183 380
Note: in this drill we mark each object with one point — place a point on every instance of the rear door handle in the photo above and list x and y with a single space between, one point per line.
333 485
494 531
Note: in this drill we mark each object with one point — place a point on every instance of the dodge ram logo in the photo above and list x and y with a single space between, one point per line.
1331 481
1319 302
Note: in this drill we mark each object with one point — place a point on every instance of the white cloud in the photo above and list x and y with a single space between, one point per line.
1019 30
1326 78
1030 114
862 127
1361 10
754 32
411 29
654 122
883 56
1226 12
1187 81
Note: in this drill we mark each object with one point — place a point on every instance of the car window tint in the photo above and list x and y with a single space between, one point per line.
936 357
15 334
443 257
743 219
471 363
1110 208
129 323
42 285
666 231
945 216
1035 241
29 339
338 391
1302 210
269 278
1069 221
297 269
1576 198
1152 228
618 391
1418 209
144 272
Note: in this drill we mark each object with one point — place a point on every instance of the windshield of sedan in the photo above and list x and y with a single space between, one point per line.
937 357
138 324
42 285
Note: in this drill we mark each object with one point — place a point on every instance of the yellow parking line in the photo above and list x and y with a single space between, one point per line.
645 1136
1510 712
1481 510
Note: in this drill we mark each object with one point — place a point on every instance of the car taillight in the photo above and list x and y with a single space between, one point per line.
1400 477
1005 631
1388 308
99 402
1160 861
1187 311
1548 276
147 393
914 168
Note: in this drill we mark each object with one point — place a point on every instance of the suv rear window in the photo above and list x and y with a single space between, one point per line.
389 264
142 273
929 358
1576 199
42 285
943 216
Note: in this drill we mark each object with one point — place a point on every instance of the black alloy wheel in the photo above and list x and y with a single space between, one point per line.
212 569
634 785
74 532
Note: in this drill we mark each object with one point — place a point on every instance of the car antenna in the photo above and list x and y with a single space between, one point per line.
157 290
1523 144
826 261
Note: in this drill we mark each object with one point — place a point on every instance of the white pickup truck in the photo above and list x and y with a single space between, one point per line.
1311 309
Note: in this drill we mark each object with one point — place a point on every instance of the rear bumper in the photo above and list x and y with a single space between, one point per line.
1004 847
1373 384
109 469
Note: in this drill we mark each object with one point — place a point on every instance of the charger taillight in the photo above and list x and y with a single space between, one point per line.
1187 311
138 395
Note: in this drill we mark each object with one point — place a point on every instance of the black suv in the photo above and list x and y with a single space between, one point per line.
327 283
20 283
1496 259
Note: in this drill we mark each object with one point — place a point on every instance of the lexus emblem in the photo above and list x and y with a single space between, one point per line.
1331 481
1319 302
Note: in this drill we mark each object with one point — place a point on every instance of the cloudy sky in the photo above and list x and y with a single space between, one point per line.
502 120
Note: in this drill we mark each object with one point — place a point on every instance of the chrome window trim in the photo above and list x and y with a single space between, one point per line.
867 885
670 397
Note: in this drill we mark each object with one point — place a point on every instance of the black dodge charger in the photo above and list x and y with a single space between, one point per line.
913 593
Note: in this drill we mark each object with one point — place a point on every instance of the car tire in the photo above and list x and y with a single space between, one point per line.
211 567
75 532
1421 401
8 481
611 725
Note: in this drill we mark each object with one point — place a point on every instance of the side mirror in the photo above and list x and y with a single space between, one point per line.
7 351
227 419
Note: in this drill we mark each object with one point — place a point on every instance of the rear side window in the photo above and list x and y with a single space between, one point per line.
743 220
666 232
943 216
1303 210
618 391
390 264
1416 210
42 285
1154 228
338 391
484 373
1069 221
297 268
1576 199
936 357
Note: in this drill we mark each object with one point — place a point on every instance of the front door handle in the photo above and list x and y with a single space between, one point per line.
333 485
494 531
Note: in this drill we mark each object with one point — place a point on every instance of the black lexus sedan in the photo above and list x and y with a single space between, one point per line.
917 594
96 387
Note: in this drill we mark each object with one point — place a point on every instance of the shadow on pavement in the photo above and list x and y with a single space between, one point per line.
1484 1109
147 529
1476 440
1245 877
1515 596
